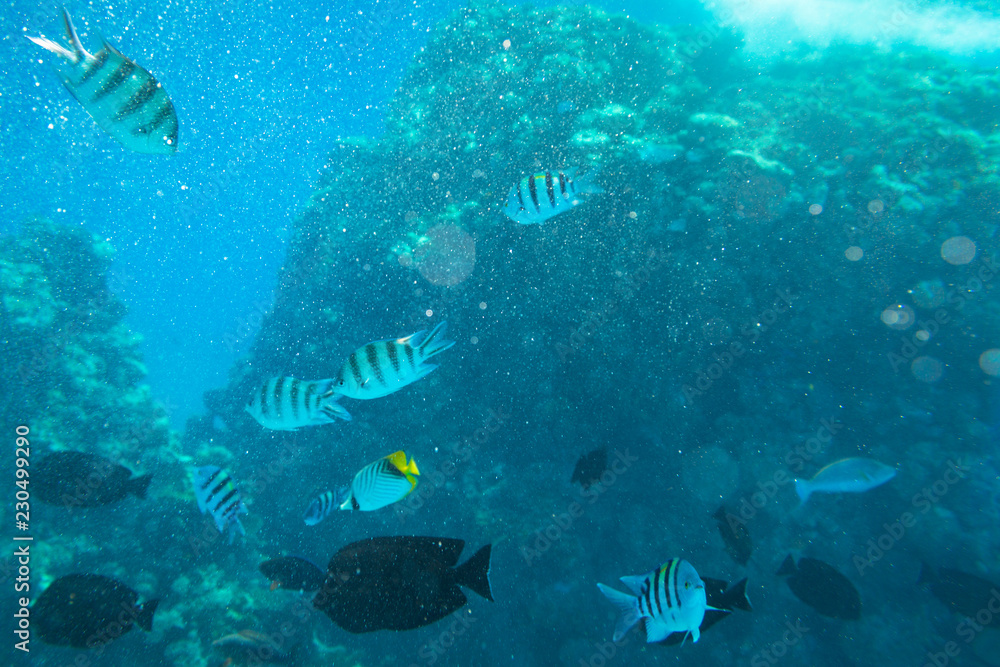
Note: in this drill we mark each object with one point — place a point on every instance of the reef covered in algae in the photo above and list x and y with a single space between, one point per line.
769 258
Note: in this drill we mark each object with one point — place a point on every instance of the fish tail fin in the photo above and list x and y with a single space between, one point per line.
139 485
333 410
803 489
736 596
145 616
412 468
787 567
78 51
926 574
435 342
54 47
475 573
585 184
626 606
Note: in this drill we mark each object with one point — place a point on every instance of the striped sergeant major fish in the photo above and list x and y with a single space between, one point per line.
217 495
378 484
122 97
324 504
667 600
384 366
285 404
542 196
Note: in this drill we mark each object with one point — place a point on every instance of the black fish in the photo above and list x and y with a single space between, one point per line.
84 480
248 647
822 587
721 596
590 467
88 610
294 573
964 593
735 535
400 583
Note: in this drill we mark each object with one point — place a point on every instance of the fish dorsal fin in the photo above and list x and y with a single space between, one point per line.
787 567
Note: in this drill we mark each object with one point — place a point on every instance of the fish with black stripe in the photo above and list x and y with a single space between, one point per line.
324 504
286 404
669 599
384 366
541 196
218 496
124 99
382 483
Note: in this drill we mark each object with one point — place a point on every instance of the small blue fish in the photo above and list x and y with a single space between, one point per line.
854 475
667 600
217 495
538 197
384 366
286 404
324 504
122 97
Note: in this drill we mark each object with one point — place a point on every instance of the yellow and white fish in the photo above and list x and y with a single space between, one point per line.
122 97
382 483
218 497
542 196
285 404
384 366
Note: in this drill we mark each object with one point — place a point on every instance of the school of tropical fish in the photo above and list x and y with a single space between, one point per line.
398 582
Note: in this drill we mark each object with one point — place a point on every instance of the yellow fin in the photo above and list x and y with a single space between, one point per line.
413 467
398 460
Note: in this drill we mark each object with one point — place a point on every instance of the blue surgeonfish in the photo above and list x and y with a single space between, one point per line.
285 404
122 97
217 495
541 196
384 366
324 504
845 476
667 600
382 483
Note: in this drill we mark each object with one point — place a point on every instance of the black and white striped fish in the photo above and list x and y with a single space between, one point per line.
285 404
324 504
542 196
124 99
378 484
667 600
217 495
384 366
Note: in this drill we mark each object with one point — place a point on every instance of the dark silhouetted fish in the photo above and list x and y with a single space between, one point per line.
248 647
122 97
722 598
88 610
964 593
84 480
735 535
293 573
590 467
400 583
822 587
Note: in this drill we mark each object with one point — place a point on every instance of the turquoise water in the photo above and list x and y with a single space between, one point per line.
792 262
